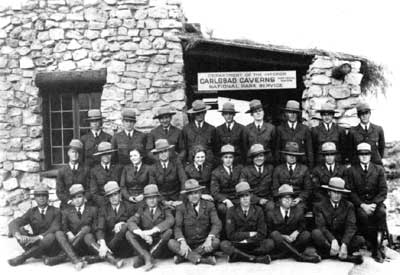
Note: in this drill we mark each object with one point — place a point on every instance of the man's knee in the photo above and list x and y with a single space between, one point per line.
174 246
270 205
166 235
89 238
85 229
48 240
221 208
267 245
60 235
356 242
215 243
276 236
227 247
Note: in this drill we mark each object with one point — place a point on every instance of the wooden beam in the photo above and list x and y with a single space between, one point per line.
73 78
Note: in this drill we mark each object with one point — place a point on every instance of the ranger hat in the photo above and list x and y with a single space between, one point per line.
161 145
227 149
41 189
94 114
292 148
292 106
328 148
76 189
363 107
191 185
327 107
228 107
164 111
285 190
75 144
104 148
110 188
151 190
198 106
256 149
336 184
363 148
242 188
129 114
254 105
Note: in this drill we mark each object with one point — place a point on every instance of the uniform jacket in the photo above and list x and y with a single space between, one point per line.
337 223
320 175
301 135
171 180
366 188
123 144
107 218
320 135
131 184
261 184
90 147
300 180
204 178
33 218
173 137
66 177
236 137
375 137
238 226
276 222
266 136
70 220
195 228
99 177
142 219
223 185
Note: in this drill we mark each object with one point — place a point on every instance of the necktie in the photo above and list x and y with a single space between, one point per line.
286 215
200 168
135 169
245 212
229 127
129 135
330 169
115 211
195 209
230 171
79 213
366 129
259 171
365 168
42 213
327 127
166 131
106 168
336 205
291 169
198 125
259 127
292 126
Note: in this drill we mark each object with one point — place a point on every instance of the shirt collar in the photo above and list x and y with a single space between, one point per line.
128 132
259 167
232 124
43 209
363 125
116 207
328 125
333 204
363 165
140 165
82 208
245 209
327 165
106 165
290 124
227 168
293 165
96 132
72 165
196 123
258 124
164 163
283 211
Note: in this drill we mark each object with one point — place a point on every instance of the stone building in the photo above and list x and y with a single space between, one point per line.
58 58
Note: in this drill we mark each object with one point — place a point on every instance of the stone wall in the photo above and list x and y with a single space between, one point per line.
135 40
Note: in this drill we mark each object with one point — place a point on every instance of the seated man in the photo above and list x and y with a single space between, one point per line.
287 229
44 221
246 230
294 174
259 176
367 183
112 221
197 228
150 229
335 219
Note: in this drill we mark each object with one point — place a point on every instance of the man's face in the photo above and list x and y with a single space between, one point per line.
165 121
135 157
200 158
128 124
152 201
227 160
364 158
327 117
228 117
330 158
163 155
364 116
106 159
115 198
194 197
259 159
286 201
291 116
245 200
291 159
258 114
95 125
335 196
41 200
199 117
78 200
73 155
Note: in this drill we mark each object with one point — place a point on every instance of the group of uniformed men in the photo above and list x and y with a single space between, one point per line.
179 192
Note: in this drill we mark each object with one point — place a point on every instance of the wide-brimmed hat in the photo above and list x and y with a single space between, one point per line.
292 148
227 149
104 148
198 106
129 114
327 107
164 111
111 187
254 105
76 189
363 107
41 189
336 184
242 188
151 190
75 144
94 114
293 106
328 148
228 107
256 149
191 185
285 190
162 145
363 148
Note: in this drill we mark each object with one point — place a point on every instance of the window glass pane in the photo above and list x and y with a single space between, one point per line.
55 103
67 120
56 139
55 120
95 100
68 135
83 101
82 117
66 154
57 155
67 102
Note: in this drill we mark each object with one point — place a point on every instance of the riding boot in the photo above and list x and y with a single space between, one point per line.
299 256
240 256
66 246
142 252
118 263
31 252
55 260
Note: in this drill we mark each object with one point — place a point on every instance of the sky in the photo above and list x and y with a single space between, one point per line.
366 28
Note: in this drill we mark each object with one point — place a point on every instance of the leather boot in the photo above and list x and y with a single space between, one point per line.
193 257
142 252
66 246
138 261
179 259
157 249
208 260
263 259
118 263
31 252
299 256
92 259
240 256
59 259
356 259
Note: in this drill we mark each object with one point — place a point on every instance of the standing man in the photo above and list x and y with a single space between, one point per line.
368 133
198 132
367 183
293 130
261 132
72 173
44 221
232 132
197 228
150 229
246 230
128 138
103 173
93 137
326 131
335 219
294 174
164 131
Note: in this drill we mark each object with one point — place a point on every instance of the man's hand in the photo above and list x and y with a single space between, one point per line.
368 208
118 226
296 201
334 248
252 234
132 199
228 203
140 233
185 249
176 203
343 251
103 249
207 245
294 235
70 236
287 238
148 239
207 197
263 201
139 198
152 231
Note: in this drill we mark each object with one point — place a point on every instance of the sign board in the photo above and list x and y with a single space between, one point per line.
258 80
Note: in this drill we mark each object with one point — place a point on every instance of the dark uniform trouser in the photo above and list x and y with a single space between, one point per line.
197 251
158 239
256 249
324 246
47 246
82 244
118 243
370 225
302 241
